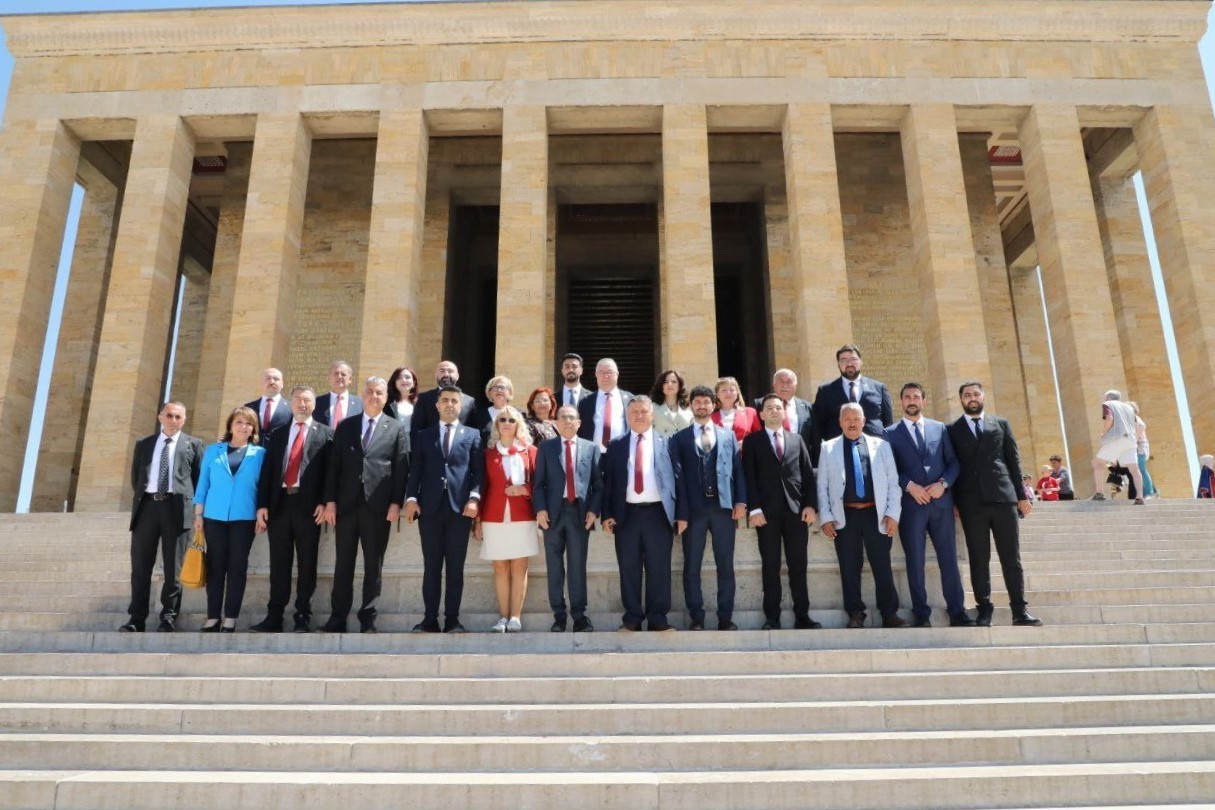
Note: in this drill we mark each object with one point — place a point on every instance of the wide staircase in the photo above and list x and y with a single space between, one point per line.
1110 704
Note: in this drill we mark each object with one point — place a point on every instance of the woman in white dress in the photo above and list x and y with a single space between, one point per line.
506 524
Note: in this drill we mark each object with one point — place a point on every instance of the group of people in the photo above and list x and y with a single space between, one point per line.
678 462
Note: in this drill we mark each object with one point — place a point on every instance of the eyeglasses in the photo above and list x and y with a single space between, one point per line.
502 420
498 388
568 418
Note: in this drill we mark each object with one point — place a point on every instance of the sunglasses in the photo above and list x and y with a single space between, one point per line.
505 419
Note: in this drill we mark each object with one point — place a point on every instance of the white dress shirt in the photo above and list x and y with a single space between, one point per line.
791 415
154 469
618 425
333 401
296 427
649 489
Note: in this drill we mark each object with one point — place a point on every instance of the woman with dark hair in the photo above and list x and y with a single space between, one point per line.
402 394
542 414
670 396
225 508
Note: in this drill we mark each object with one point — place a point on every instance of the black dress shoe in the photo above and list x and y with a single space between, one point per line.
165 626
961 620
770 624
806 623
426 627
214 628
984 614
367 627
697 625
334 626
558 626
727 625
267 625
453 627
583 625
922 621
660 627
629 627
131 627
226 629
856 620
302 625
893 622
1024 619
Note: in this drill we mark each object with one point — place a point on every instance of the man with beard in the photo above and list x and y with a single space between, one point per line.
571 392
425 410
850 386
989 497
928 469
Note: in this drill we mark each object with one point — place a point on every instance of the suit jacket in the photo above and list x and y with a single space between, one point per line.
321 412
727 467
586 412
832 480
746 422
226 495
874 399
187 464
807 425
938 463
434 479
548 488
377 475
559 390
494 497
314 466
425 413
280 416
990 468
774 484
616 481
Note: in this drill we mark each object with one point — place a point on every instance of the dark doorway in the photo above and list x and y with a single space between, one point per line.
607 299
740 280
471 316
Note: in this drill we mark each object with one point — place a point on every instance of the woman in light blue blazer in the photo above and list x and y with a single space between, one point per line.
225 507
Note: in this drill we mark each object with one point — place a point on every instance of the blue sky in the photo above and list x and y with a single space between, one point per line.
1206 47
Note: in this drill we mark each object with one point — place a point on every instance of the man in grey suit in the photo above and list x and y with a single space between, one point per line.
164 472
859 508
566 506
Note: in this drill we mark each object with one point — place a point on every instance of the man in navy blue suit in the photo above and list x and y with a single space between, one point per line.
927 469
639 509
444 491
567 493
851 386
710 496
339 403
271 408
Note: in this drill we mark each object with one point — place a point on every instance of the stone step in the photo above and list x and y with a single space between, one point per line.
1083 595
1035 785
605 754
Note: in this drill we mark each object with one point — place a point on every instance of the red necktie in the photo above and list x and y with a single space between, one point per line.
266 418
788 424
569 471
607 419
638 472
337 411
295 457
780 444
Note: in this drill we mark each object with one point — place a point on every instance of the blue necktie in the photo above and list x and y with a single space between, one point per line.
919 438
857 472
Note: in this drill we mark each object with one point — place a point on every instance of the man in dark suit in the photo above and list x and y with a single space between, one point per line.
164 472
850 386
340 403
798 413
711 496
928 468
567 493
603 413
291 502
425 410
783 499
989 497
639 511
445 493
364 489
272 410
571 392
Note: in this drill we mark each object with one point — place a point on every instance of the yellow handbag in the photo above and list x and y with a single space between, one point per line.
194 566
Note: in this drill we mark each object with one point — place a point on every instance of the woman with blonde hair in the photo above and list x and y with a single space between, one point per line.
506 524
732 412
499 391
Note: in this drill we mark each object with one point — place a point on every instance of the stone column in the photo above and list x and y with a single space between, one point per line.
523 250
37 169
944 254
433 305
139 305
784 295
1140 333
1174 145
76 352
1073 277
816 244
1045 433
394 248
263 303
688 314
